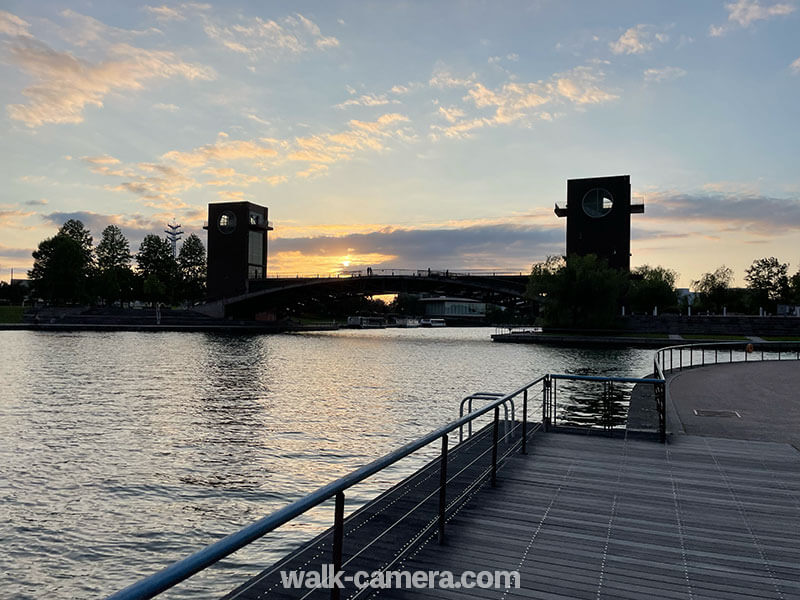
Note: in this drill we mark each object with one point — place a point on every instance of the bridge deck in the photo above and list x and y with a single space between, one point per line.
592 517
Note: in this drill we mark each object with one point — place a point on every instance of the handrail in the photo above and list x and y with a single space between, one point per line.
747 347
185 568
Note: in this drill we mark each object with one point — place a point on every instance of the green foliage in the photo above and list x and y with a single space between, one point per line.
157 268
651 287
74 229
713 288
60 270
192 265
113 251
768 279
11 314
114 279
582 291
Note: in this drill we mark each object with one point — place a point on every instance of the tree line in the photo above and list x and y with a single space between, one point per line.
69 269
583 291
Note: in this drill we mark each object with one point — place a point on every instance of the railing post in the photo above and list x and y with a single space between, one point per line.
546 403
524 421
338 541
681 360
659 391
494 444
442 488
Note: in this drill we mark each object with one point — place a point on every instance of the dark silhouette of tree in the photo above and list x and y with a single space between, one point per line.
74 229
651 287
59 272
582 292
157 268
714 288
768 279
192 265
115 279
113 251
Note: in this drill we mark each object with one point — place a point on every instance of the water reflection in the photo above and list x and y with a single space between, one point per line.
123 452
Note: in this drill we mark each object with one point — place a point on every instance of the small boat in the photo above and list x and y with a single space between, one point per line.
432 323
366 322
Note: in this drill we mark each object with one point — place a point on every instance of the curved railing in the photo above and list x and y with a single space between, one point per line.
685 356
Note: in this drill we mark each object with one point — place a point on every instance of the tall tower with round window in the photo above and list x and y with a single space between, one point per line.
237 247
598 213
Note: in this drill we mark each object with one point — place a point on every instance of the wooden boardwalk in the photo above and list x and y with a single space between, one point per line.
593 517
588 517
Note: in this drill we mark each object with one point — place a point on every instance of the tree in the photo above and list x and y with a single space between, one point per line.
651 287
713 288
192 265
768 279
74 229
157 268
582 292
113 251
114 280
59 270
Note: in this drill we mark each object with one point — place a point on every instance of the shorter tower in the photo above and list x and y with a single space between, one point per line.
237 247
598 216
174 233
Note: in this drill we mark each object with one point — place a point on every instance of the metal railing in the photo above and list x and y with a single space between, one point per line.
686 356
183 569
550 414
388 272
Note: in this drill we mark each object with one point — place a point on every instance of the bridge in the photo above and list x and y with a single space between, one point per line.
502 288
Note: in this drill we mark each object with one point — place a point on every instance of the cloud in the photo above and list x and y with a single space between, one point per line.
12 25
166 107
222 150
663 74
133 226
12 217
86 30
257 37
39 202
361 135
367 100
8 252
637 40
506 246
519 101
743 13
65 85
736 212
795 66
100 160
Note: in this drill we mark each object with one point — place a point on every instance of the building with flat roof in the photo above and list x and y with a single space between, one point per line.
237 247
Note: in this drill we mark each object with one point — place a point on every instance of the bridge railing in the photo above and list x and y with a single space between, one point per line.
686 356
514 437
389 272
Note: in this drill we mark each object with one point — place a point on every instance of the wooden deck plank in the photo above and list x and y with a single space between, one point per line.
594 517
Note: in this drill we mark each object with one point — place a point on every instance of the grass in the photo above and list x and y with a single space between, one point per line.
720 338
11 314
654 336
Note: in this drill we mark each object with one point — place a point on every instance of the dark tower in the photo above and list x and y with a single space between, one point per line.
598 215
237 247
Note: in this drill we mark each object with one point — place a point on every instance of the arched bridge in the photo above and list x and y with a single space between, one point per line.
502 288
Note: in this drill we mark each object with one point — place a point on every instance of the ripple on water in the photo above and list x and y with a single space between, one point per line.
122 452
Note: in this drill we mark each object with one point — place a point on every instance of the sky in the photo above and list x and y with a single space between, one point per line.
405 134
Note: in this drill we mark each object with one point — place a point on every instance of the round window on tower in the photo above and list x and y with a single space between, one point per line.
598 203
227 222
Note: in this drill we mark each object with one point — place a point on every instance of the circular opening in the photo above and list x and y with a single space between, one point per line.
598 203
227 222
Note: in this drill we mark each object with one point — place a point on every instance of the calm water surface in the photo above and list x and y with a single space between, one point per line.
123 452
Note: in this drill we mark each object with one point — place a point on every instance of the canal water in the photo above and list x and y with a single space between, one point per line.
123 452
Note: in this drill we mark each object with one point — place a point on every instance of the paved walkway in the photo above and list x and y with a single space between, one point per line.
590 517
759 400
